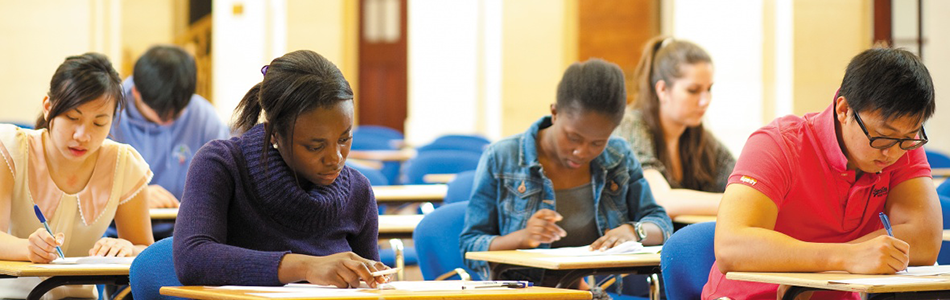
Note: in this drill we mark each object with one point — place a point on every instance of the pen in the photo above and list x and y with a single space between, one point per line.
499 284
39 215
384 272
887 224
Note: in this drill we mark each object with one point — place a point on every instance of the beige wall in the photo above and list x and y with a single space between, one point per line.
37 37
539 39
827 34
144 24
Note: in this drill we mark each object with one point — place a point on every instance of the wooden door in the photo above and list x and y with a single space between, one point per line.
616 30
382 63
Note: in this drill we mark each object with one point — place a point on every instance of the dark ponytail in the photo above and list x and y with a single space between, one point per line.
250 110
293 84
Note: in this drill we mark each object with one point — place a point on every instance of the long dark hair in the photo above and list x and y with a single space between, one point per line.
80 79
661 60
293 84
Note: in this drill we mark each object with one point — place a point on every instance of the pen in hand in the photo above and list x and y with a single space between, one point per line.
887 224
39 215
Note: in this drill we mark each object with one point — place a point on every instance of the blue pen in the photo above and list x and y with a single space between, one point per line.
39 215
887 224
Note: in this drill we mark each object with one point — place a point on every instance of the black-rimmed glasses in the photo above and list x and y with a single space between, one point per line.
880 142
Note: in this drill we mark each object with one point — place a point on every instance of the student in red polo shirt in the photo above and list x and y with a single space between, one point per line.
806 192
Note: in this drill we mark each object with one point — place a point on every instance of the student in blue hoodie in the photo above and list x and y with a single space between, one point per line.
166 122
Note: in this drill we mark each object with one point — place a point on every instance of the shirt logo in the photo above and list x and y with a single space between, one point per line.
182 152
748 180
879 192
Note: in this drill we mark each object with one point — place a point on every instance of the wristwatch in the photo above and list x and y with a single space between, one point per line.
640 231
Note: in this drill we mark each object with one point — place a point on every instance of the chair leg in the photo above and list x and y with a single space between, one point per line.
654 282
398 249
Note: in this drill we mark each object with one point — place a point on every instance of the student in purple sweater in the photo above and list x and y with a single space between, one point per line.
277 204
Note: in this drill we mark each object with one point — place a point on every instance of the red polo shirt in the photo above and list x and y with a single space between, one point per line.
797 163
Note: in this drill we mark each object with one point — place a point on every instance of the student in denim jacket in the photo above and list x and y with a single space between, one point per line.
565 181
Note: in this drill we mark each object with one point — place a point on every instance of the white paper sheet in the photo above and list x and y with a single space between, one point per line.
625 248
78 266
926 271
313 293
91 260
887 280
630 247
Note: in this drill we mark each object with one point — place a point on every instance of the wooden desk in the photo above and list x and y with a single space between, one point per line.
384 194
398 226
577 267
438 178
410 193
940 172
946 235
803 282
200 292
163 213
382 155
390 226
693 219
112 274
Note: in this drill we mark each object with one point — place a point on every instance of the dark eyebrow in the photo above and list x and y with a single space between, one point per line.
347 131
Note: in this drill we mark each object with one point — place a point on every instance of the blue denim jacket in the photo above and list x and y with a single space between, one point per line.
510 187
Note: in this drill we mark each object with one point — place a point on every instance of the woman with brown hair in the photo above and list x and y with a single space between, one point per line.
685 165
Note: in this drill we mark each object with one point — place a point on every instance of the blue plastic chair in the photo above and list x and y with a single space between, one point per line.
372 137
474 143
437 242
375 176
151 270
943 257
439 162
937 159
460 188
686 260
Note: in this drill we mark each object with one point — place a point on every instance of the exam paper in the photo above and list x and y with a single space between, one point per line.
925 271
87 260
887 280
631 247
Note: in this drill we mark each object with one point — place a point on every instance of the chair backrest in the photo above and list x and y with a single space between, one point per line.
151 270
437 241
944 189
460 188
937 159
438 162
459 142
686 259
375 176
943 257
372 137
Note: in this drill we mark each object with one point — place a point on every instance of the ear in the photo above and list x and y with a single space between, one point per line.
136 95
273 136
660 88
553 112
841 109
46 107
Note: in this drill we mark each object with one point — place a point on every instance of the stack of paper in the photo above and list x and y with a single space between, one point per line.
94 260
631 247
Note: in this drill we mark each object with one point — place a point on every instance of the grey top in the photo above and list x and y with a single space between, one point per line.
576 205
636 132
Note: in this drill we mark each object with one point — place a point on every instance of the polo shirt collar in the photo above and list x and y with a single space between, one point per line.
824 126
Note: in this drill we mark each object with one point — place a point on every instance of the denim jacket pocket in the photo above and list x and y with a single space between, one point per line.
521 195
613 198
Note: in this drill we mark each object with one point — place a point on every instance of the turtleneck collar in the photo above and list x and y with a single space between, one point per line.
293 205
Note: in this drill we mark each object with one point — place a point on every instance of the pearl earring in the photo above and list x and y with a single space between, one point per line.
274 145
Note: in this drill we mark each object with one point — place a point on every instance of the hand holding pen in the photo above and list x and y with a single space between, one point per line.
44 246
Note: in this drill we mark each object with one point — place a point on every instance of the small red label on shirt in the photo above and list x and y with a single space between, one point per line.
748 180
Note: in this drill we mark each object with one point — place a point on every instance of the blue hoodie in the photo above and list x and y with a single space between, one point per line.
168 149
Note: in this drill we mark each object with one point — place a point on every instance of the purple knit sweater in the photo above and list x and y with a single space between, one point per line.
239 218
